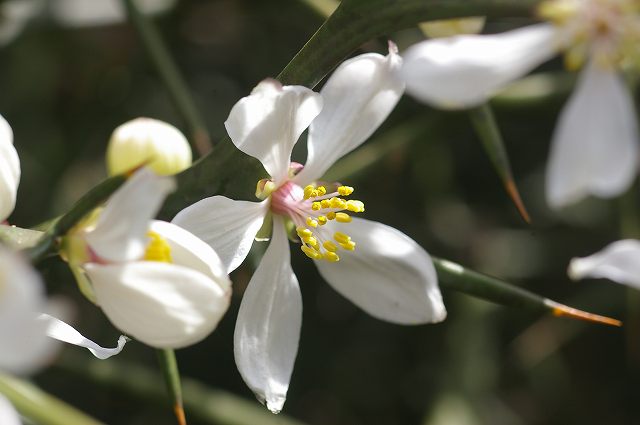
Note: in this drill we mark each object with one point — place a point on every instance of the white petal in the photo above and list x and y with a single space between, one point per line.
388 275
267 123
466 70
8 415
9 170
268 326
228 226
61 331
121 231
163 305
595 144
357 99
619 261
25 345
190 251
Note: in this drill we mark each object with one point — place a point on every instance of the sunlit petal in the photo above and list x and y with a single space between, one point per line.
388 275
163 305
121 231
619 261
9 170
267 123
228 226
357 99
595 145
466 70
268 326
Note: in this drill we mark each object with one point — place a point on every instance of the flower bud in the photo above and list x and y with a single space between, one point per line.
150 142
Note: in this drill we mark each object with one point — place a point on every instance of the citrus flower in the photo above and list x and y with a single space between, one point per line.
153 280
594 149
619 261
377 267
9 170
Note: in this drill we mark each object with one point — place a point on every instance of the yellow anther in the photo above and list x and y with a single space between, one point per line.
345 190
338 203
310 252
264 188
316 206
330 246
303 232
158 249
331 256
308 191
322 220
311 241
341 238
343 217
321 190
331 215
311 222
349 246
355 206
325 203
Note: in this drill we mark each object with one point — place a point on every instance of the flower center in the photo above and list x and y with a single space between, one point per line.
310 209
158 249
607 31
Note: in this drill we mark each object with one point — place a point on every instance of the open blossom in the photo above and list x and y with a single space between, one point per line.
9 170
594 149
377 267
155 281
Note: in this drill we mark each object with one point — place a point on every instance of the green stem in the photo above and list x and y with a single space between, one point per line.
171 375
39 406
173 80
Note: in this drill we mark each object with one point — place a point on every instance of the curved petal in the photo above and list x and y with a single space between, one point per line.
8 415
190 251
9 170
57 329
358 97
228 226
25 345
163 305
121 231
388 275
267 123
619 261
595 144
268 326
465 70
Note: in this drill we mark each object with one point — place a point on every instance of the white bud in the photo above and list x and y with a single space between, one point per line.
150 142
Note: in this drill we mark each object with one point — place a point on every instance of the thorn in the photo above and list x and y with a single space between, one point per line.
512 190
178 409
561 310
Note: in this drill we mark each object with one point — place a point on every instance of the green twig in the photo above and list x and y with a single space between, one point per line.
171 375
39 406
173 80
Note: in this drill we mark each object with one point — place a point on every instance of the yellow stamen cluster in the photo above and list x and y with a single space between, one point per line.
328 207
158 249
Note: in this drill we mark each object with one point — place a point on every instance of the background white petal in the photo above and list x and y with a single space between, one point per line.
9 170
595 144
388 275
267 123
25 345
358 97
466 70
121 231
163 305
619 261
268 326
190 251
8 415
62 331
228 226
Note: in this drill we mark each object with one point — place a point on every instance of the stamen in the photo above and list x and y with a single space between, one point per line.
311 222
345 190
331 215
158 249
311 253
341 238
330 246
303 232
343 217
331 256
308 191
322 220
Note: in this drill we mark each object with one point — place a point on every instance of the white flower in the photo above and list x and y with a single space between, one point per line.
594 148
146 141
387 274
9 170
153 280
619 261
